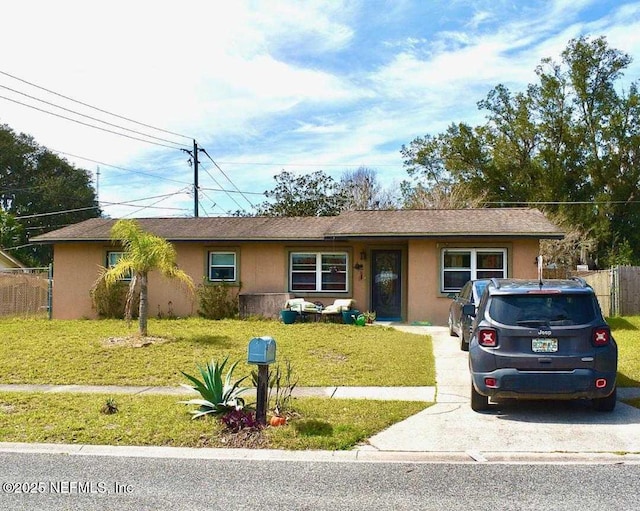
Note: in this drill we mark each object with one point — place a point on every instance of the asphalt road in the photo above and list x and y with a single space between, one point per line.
63 482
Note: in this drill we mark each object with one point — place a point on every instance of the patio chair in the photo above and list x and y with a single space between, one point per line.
336 309
300 305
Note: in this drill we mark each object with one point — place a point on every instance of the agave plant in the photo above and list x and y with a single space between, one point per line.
218 395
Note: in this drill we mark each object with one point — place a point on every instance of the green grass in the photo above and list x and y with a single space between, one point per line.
633 402
626 332
327 424
75 352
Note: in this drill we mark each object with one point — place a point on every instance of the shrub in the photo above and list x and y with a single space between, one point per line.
218 396
235 420
109 407
109 301
218 301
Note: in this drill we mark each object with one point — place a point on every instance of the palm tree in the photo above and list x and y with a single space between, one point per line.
143 252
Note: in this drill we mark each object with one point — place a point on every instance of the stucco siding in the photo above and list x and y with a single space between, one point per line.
263 268
75 270
524 259
426 302
422 282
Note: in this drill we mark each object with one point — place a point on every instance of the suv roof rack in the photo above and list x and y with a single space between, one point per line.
495 282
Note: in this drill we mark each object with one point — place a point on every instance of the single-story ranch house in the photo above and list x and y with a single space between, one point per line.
402 264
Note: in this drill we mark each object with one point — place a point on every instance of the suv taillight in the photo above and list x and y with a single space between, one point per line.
487 337
601 336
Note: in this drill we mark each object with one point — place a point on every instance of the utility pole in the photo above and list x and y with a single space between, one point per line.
194 158
195 178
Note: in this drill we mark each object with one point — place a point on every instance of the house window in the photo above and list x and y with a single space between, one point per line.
318 272
222 266
461 265
112 260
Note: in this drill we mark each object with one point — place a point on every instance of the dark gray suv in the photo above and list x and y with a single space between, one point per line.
541 340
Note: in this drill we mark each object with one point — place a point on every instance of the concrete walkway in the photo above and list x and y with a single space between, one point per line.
450 426
382 393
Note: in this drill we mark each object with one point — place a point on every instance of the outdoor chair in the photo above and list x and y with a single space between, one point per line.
336 309
300 305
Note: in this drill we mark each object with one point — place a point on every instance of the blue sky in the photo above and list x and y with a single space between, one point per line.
266 86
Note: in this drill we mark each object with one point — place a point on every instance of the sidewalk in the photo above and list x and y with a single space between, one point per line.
382 393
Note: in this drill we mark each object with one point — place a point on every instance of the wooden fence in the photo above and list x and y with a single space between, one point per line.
600 281
24 292
617 289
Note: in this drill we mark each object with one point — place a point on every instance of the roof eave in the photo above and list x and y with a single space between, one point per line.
544 235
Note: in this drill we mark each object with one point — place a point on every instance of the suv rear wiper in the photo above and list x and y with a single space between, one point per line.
533 322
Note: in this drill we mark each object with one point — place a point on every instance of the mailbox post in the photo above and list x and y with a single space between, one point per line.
262 352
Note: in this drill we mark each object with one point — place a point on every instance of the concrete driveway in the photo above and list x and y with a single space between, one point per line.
450 426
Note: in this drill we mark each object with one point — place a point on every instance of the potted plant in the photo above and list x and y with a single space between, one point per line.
349 316
288 316
369 316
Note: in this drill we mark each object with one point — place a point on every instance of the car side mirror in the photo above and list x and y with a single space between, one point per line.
469 309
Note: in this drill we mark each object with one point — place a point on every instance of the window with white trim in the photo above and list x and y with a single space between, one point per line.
318 271
459 265
222 267
112 260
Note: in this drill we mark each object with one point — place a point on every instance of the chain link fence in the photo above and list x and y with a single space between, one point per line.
25 292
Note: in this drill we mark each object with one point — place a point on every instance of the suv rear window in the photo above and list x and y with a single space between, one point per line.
543 309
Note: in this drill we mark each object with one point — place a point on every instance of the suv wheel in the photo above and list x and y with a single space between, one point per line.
479 403
606 404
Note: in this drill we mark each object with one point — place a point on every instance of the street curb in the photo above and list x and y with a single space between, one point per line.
366 454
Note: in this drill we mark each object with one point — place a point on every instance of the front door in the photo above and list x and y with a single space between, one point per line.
386 289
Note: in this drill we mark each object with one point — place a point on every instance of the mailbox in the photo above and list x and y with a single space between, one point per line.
262 350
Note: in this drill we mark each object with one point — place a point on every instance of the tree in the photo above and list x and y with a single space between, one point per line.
315 194
41 191
143 252
432 163
569 143
363 191
11 232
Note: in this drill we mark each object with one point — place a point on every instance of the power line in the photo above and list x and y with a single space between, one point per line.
214 203
150 206
37 215
88 116
225 175
155 176
164 196
230 191
276 164
94 107
87 124
216 182
109 204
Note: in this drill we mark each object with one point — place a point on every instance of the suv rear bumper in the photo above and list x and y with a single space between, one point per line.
576 384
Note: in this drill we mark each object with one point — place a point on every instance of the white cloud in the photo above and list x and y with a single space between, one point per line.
308 82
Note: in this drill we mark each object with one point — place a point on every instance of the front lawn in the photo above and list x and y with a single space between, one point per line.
626 332
321 423
92 352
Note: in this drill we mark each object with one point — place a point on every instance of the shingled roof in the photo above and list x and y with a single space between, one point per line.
488 222
446 222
